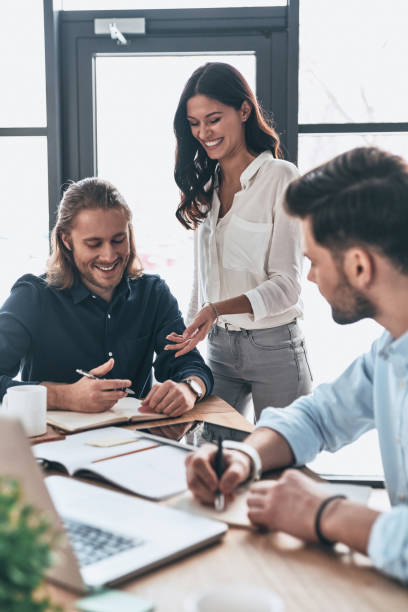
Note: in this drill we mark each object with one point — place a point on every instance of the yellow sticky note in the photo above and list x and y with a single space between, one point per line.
111 441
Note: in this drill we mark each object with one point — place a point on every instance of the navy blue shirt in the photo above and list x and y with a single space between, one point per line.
47 333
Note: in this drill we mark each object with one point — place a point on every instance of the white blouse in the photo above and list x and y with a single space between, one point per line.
255 249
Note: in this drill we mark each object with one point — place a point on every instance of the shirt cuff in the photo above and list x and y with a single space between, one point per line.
206 379
257 303
388 543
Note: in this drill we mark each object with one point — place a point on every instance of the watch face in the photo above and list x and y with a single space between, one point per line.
194 386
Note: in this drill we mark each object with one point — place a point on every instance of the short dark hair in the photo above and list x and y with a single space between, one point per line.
358 198
194 171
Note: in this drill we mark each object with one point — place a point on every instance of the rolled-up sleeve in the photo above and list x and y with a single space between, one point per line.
334 415
284 263
388 543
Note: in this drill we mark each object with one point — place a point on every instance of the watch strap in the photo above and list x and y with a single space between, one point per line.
192 384
251 452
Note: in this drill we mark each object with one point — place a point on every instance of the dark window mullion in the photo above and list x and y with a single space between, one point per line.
342 128
23 131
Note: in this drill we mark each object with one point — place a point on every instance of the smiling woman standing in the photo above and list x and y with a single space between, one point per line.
248 257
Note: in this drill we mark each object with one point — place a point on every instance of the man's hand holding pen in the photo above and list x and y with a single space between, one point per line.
88 394
98 394
202 478
94 393
128 390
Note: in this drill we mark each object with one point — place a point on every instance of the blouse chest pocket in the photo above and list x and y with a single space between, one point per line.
245 244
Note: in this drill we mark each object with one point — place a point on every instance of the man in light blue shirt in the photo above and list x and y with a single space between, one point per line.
354 212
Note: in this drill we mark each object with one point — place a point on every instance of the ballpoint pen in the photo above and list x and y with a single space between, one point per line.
219 501
89 375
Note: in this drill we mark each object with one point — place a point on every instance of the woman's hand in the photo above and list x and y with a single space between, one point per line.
193 334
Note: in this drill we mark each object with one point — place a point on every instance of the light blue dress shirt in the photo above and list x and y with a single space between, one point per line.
372 392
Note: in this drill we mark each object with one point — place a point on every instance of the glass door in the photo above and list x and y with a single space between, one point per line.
120 100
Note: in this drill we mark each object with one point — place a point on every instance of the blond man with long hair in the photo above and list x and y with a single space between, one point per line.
96 310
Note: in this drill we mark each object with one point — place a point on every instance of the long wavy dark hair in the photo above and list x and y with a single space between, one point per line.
194 171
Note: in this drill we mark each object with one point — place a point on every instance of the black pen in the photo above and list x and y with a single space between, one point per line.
89 375
219 501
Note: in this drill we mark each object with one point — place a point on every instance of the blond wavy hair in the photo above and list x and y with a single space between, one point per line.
89 193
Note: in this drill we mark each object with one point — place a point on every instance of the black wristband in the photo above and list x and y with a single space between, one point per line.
319 513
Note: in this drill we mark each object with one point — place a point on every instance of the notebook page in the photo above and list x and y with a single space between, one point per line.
236 512
128 407
120 413
74 421
74 452
156 473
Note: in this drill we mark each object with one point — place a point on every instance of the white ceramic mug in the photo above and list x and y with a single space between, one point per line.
234 598
28 404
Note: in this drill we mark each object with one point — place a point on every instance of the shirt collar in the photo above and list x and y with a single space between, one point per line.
249 171
80 292
253 167
396 352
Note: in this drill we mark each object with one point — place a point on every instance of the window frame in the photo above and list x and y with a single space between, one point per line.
52 128
173 27
319 129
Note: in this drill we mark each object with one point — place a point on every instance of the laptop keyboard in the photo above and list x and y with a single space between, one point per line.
92 544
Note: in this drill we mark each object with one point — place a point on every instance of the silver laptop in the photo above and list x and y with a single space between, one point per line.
111 535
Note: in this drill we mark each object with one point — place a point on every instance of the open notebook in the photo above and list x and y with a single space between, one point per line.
236 512
125 410
144 464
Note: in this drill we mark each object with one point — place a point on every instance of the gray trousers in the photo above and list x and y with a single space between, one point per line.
269 366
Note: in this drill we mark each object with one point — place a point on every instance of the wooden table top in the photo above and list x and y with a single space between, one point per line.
306 577
211 410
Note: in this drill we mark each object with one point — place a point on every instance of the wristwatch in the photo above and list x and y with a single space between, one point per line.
249 451
195 387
